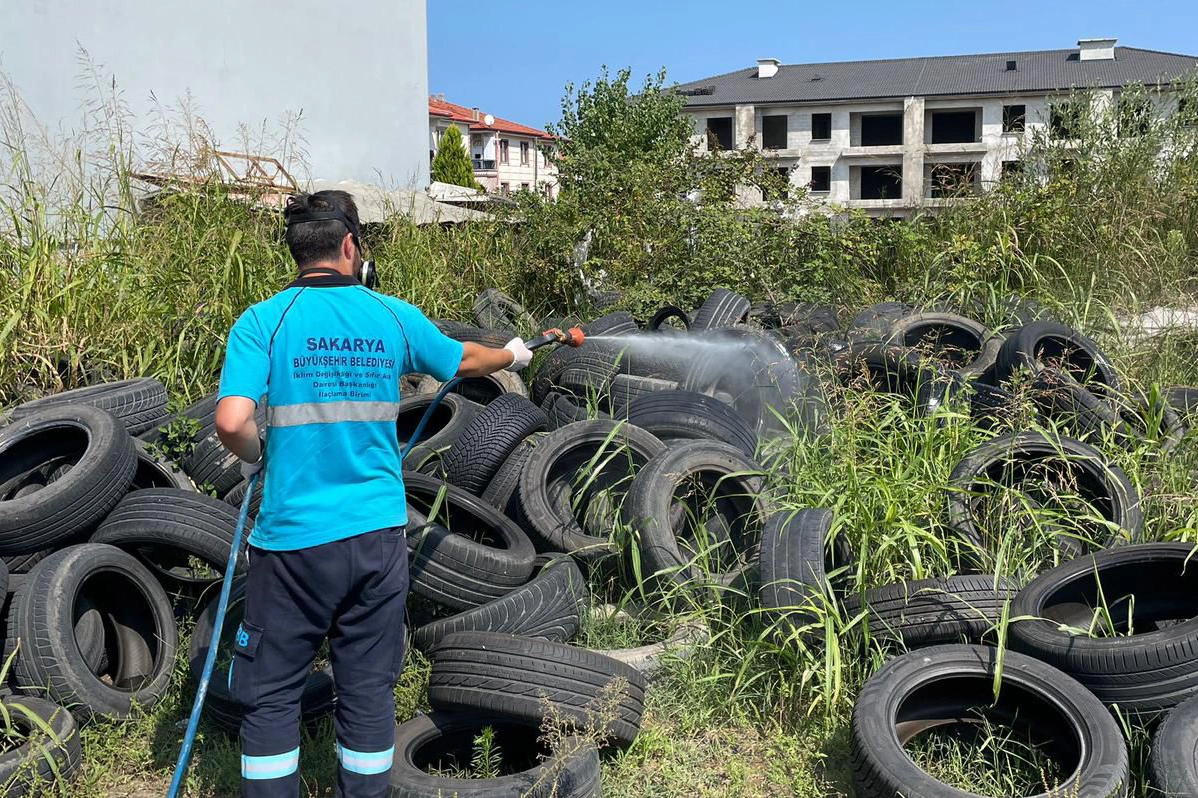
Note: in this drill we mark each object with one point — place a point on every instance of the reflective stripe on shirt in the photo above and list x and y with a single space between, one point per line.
330 413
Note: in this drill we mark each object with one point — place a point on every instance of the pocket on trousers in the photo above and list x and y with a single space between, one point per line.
243 670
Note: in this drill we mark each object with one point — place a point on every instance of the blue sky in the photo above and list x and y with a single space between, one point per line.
514 59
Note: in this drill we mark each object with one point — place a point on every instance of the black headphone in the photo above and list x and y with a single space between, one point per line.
367 274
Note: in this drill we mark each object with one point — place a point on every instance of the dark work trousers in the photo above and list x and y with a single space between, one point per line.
353 592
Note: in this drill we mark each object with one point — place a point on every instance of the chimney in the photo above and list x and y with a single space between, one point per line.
1096 49
474 113
767 67
441 97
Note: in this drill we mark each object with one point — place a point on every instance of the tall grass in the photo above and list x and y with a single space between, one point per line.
95 284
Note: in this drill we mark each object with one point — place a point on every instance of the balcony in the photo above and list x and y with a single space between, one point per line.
483 165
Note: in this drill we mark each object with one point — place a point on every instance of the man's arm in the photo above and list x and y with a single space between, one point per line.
479 360
236 428
244 375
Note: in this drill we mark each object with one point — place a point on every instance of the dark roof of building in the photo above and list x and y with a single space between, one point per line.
1037 71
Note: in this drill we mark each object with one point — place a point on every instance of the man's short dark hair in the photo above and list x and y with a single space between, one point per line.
312 242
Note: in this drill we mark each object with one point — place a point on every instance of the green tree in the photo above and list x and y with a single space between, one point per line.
452 164
663 221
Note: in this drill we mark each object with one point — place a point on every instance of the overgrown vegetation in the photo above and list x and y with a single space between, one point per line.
1097 230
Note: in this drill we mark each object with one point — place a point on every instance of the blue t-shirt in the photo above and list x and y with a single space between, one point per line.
327 353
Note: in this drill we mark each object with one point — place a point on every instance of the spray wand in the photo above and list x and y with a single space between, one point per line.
571 337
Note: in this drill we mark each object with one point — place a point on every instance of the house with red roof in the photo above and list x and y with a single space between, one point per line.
507 156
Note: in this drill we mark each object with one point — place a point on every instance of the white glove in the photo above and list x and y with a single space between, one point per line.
249 469
521 354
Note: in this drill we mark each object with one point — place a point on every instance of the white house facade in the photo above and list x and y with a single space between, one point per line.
890 136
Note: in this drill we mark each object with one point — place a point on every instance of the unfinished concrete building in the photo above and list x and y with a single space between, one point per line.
890 136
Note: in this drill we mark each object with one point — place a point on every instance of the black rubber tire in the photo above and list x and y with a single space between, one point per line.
221 706
722 308
561 410
499 311
891 369
501 491
875 322
480 390
209 463
1144 673
589 373
447 422
90 634
155 471
945 684
1173 765
470 554
619 322
793 566
956 341
104 462
666 313
547 607
140 633
23 563
1183 399
485 443
235 496
687 415
512 676
139 404
478 335
627 388
929 612
1043 343
447 739
557 459
801 320
35 760
1104 484
166 527
650 510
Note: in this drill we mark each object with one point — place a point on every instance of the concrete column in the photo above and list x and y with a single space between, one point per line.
745 126
913 150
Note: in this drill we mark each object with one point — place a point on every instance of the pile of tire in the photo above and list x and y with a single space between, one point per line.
630 464
1110 633
103 544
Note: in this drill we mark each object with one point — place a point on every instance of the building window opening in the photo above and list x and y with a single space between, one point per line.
955 127
821 127
881 182
1014 118
719 133
821 179
773 132
950 180
881 130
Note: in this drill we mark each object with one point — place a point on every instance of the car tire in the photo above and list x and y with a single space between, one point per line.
513 676
1142 586
547 607
941 685
140 646
448 737
103 460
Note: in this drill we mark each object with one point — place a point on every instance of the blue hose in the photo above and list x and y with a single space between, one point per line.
226 587
210 661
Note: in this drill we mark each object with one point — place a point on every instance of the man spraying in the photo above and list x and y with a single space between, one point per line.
327 555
